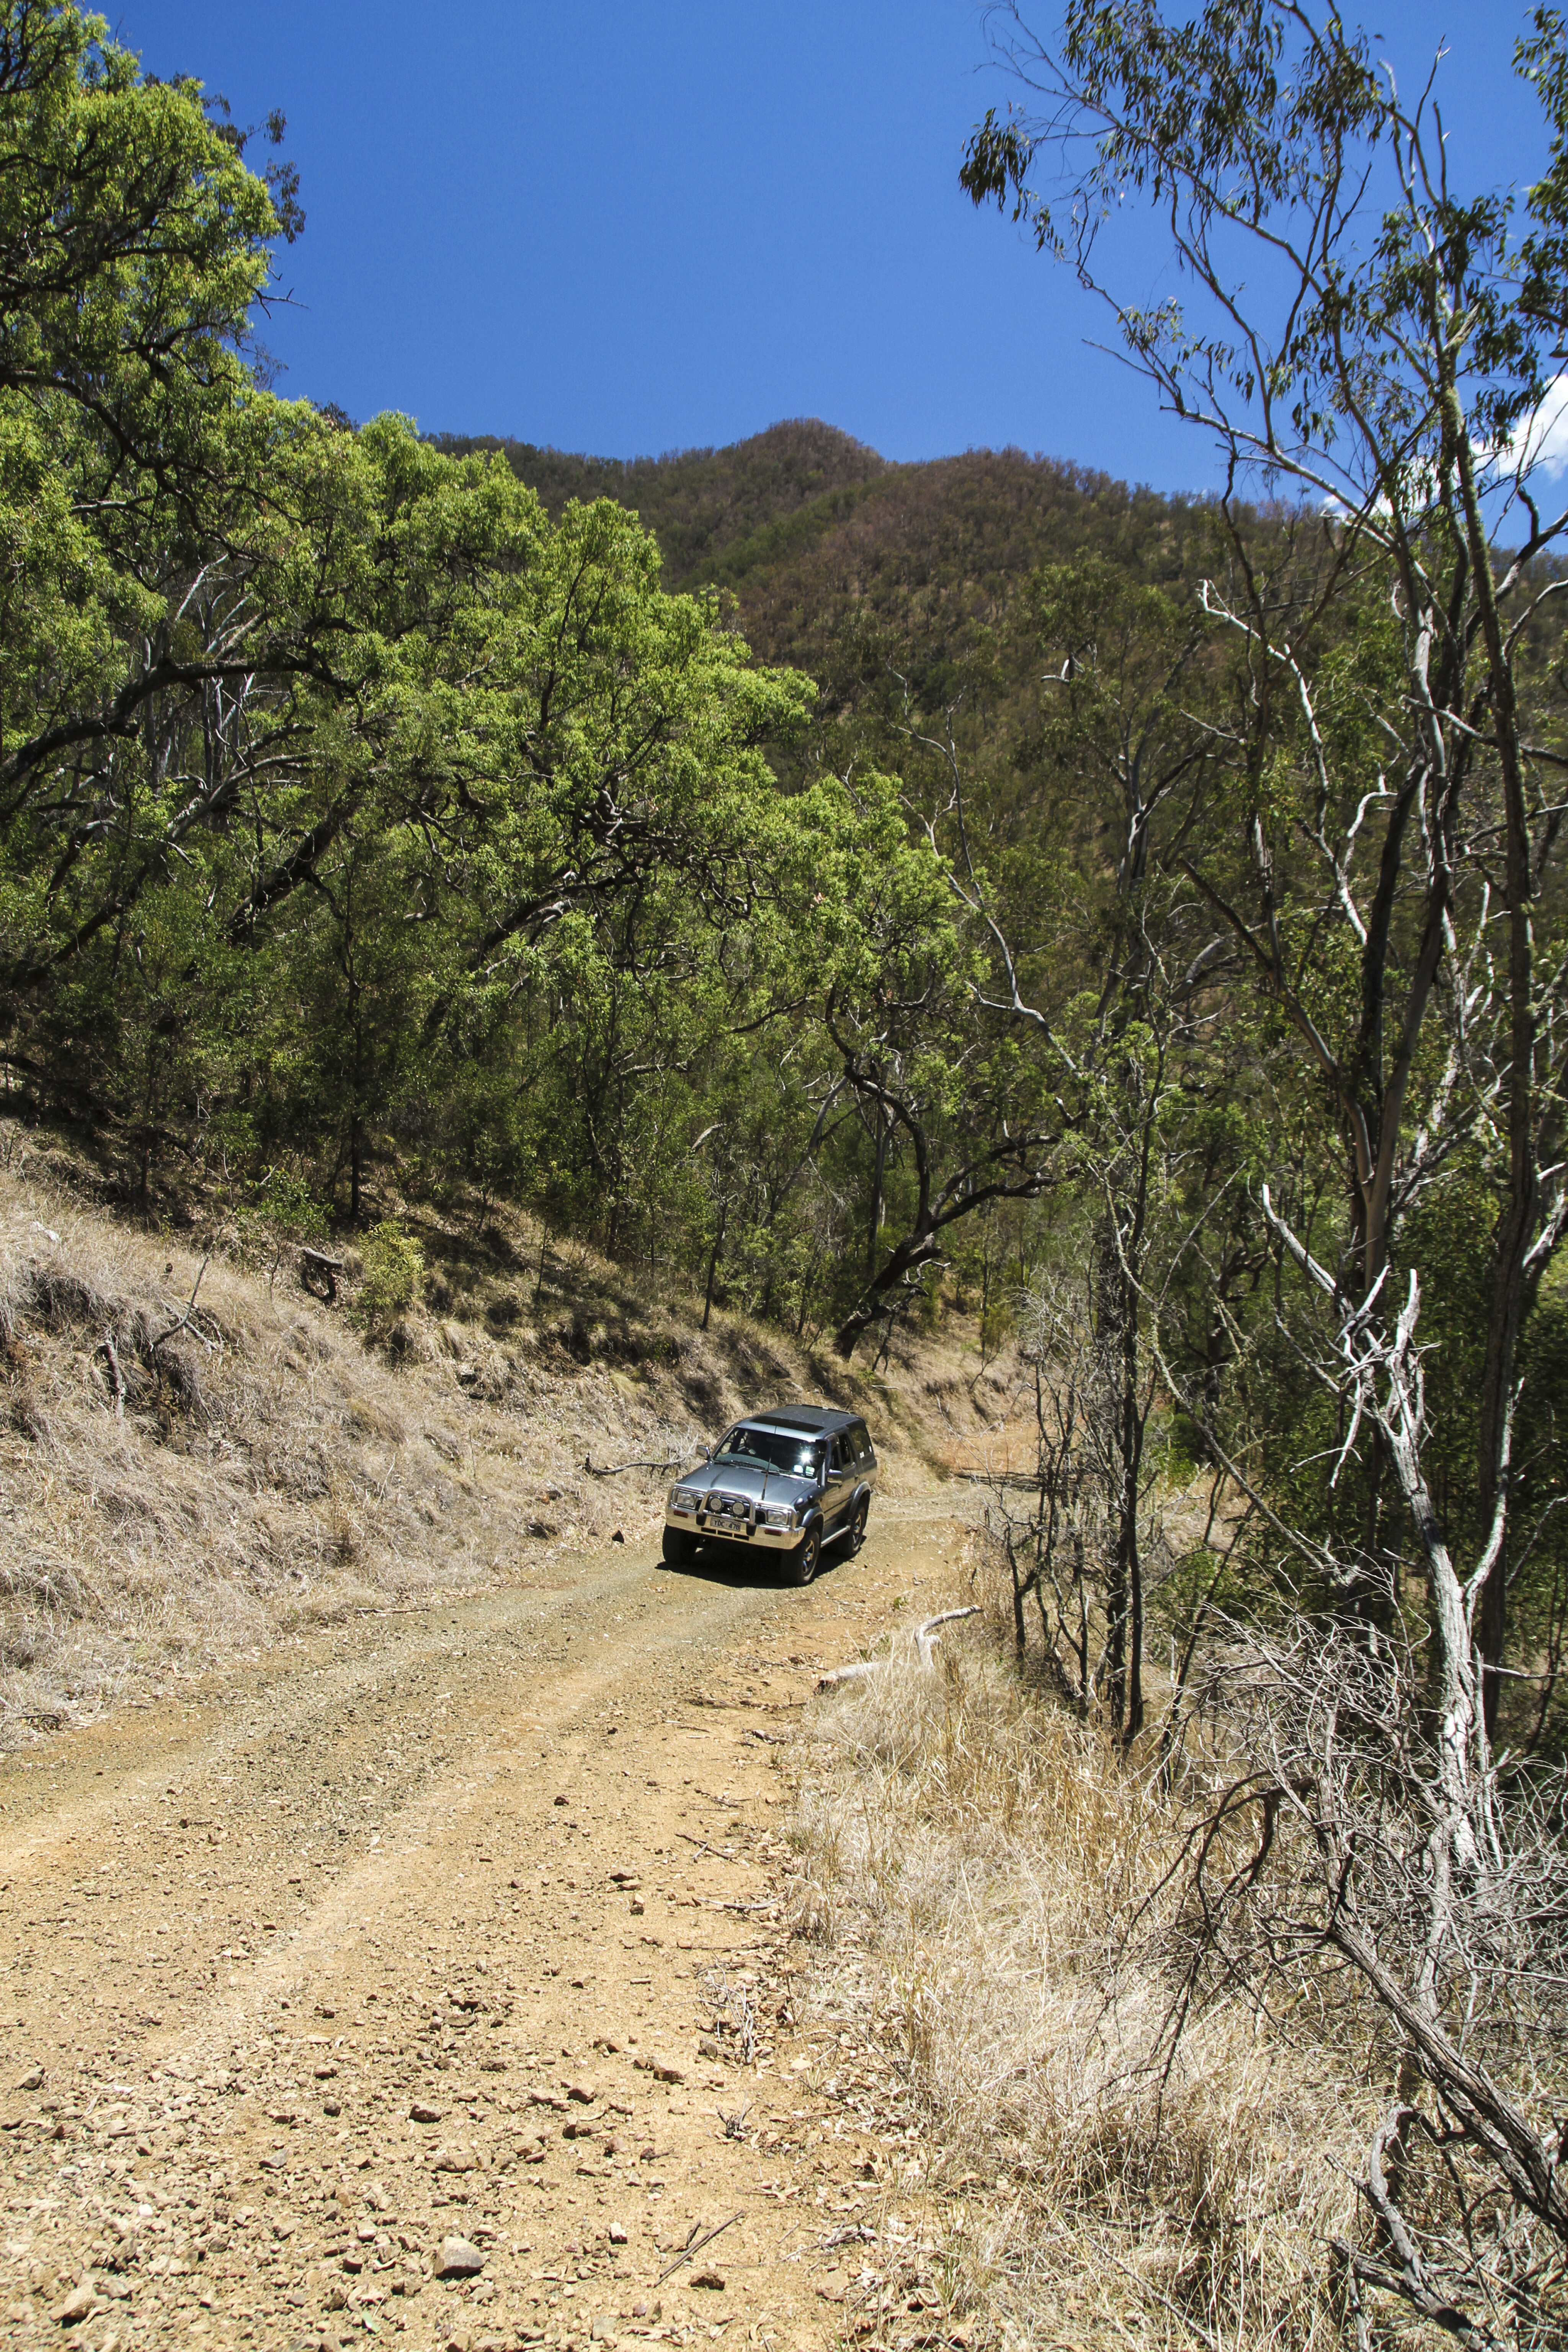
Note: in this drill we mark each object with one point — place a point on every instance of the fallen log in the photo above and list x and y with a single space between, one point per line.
923 1637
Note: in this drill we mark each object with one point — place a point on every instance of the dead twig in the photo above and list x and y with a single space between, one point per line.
703 1847
694 2246
182 1322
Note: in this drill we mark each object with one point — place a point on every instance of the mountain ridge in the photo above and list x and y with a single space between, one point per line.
852 565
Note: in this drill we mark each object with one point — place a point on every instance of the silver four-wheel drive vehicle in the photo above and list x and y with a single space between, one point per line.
785 1482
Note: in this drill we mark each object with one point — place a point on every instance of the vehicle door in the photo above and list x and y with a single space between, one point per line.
865 1456
840 1488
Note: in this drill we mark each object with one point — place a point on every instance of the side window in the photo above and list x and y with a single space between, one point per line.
843 1459
862 1442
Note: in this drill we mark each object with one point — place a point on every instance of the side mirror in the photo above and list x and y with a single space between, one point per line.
705 1452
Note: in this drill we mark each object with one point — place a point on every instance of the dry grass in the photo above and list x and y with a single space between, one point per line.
971 1859
267 1470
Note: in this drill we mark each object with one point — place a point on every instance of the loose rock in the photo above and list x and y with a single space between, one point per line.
77 2305
458 2259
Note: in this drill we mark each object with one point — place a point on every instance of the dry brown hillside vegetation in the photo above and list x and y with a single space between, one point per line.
267 1464
1110 2123
997 1906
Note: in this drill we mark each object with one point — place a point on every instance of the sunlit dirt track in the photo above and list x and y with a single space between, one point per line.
418 1933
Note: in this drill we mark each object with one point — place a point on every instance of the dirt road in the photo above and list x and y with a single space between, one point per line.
404 1951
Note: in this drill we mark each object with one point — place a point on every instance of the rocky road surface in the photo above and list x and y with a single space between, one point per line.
432 1979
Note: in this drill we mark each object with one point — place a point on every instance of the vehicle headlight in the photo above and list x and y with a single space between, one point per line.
683 1499
777 1514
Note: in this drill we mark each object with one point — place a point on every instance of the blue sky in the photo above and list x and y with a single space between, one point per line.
629 227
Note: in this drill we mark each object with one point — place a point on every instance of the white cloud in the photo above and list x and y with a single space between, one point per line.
1541 441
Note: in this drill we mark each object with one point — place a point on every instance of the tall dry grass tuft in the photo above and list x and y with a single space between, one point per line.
981 1864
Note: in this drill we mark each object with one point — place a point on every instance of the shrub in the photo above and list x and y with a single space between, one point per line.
394 1272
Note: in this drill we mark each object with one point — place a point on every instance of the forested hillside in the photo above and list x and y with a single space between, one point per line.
844 565
703 505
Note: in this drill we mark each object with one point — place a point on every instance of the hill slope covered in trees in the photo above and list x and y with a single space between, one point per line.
840 561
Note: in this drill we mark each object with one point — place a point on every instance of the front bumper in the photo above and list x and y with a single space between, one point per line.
721 1525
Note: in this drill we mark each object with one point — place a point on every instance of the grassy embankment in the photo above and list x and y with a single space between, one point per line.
997 1962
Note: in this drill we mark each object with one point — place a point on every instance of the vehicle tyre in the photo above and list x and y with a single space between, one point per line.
800 1565
862 1512
679 1548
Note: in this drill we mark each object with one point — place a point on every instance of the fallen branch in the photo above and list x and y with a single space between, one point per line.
924 1636
1446 2316
836 1674
1410 2279
670 1461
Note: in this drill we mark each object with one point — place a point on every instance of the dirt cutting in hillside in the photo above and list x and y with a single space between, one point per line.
432 1978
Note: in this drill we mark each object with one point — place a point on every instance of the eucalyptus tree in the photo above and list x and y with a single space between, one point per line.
1091 977
1386 361
1358 333
964 1119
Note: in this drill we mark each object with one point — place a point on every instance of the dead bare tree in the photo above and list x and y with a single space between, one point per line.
1050 1525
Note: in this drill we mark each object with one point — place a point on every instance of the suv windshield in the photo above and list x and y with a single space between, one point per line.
796 1454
